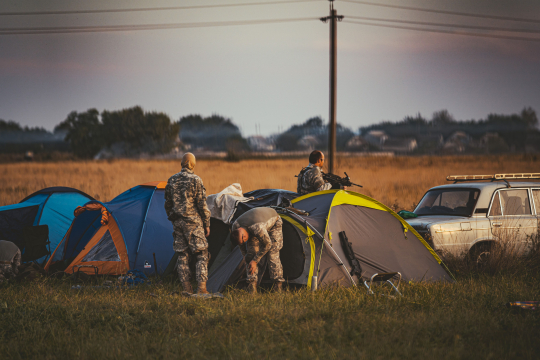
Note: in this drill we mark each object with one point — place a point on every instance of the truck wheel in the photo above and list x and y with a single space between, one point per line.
480 254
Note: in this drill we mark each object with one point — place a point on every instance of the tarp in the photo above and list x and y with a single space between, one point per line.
223 204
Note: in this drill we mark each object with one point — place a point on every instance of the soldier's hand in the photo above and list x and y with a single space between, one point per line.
252 267
207 232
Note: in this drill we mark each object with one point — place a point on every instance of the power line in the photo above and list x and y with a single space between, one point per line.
86 29
483 16
445 25
68 12
445 31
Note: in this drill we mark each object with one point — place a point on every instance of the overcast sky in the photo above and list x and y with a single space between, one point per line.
271 74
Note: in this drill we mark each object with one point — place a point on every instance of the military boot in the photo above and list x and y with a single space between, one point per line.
278 286
252 287
187 287
202 288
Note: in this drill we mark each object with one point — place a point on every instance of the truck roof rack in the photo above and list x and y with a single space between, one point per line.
495 177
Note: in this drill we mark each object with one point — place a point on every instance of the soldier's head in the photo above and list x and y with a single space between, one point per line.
316 158
239 236
188 161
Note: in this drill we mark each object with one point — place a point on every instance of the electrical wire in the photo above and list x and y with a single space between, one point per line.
87 29
534 31
445 31
483 16
68 12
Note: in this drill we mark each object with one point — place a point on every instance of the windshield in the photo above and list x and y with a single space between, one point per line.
458 202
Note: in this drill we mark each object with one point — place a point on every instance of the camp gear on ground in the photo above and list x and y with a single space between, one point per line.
137 228
407 214
338 181
134 277
527 305
383 278
36 243
52 206
7 251
381 241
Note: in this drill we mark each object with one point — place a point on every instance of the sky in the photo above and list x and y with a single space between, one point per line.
267 76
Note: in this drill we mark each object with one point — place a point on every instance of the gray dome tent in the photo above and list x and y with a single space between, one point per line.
381 240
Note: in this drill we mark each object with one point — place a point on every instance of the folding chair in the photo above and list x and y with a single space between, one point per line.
383 278
36 243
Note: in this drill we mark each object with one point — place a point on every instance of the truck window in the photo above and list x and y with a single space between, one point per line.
515 202
495 206
536 197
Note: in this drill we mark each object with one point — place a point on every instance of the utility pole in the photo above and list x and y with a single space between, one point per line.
333 19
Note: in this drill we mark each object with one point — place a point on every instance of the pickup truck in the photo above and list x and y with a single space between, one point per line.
478 212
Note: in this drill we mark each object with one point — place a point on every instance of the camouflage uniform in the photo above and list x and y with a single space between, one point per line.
264 238
10 260
185 204
310 180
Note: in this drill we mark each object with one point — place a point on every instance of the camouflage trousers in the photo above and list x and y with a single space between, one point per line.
9 269
275 268
189 240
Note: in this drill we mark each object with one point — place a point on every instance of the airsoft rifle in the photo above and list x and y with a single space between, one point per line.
338 181
356 268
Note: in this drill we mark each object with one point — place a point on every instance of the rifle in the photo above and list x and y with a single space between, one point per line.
356 268
338 180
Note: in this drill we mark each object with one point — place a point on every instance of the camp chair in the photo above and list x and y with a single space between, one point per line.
383 278
36 242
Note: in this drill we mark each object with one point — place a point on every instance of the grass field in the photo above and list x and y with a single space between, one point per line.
47 319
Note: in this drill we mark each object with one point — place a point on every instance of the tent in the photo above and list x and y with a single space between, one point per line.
381 240
52 206
133 234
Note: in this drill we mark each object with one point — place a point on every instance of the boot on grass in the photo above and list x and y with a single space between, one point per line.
252 287
187 287
278 286
202 288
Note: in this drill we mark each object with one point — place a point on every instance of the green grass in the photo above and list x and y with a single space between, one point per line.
46 319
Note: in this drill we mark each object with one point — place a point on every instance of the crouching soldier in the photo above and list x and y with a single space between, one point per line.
261 229
185 204
10 260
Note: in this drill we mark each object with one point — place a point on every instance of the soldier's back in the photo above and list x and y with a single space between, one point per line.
182 190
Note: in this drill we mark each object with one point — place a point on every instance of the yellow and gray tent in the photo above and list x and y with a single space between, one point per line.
381 240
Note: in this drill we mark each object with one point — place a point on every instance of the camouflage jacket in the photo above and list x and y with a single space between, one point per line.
185 199
310 180
258 238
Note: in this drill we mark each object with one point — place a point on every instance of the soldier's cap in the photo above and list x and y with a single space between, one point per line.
188 161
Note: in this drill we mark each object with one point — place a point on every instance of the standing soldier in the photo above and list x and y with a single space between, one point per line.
10 260
310 178
185 204
261 229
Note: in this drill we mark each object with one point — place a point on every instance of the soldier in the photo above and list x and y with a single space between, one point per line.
185 204
261 229
10 260
310 178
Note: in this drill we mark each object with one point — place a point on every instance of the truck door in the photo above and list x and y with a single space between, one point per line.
512 220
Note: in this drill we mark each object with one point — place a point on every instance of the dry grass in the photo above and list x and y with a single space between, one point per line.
398 182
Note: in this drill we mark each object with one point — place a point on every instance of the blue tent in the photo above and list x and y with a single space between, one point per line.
136 230
52 206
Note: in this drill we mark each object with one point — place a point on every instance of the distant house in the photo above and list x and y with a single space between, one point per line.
308 142
357 143
457 142
261 144
376 137
400 145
